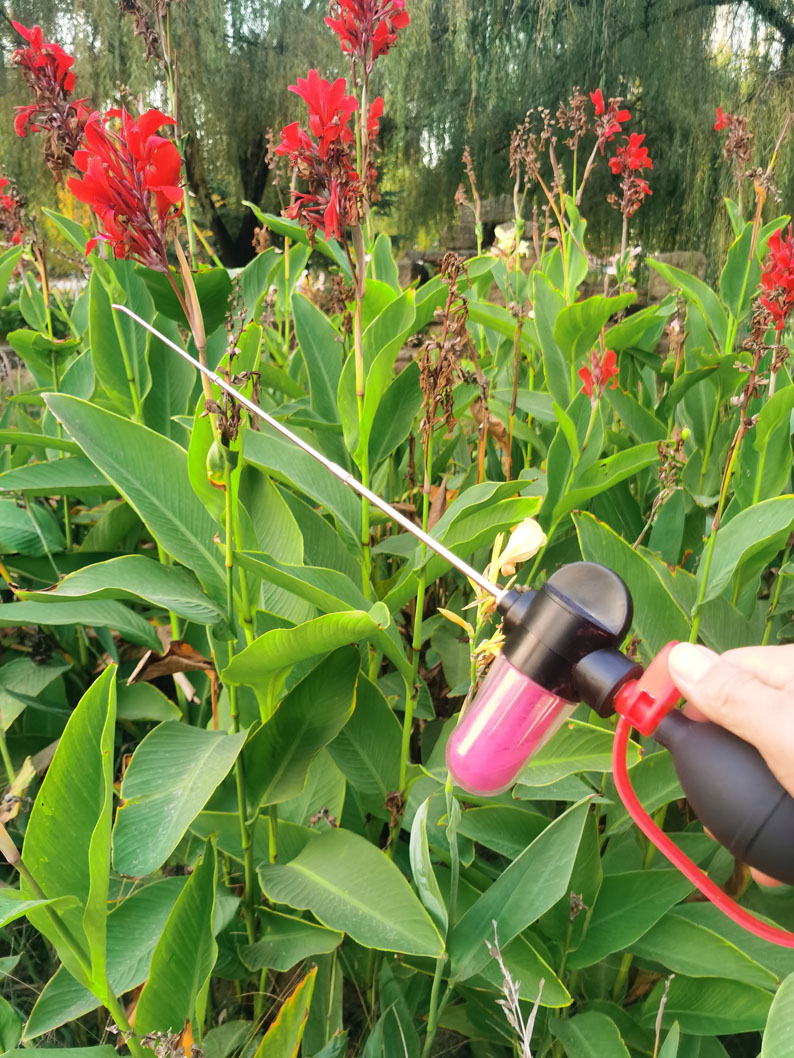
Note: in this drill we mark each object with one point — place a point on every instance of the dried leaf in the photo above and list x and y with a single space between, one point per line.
179 657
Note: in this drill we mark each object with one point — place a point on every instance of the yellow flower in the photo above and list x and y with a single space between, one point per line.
525 541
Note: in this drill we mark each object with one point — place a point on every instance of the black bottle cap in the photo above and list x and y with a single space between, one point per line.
599 676
582 608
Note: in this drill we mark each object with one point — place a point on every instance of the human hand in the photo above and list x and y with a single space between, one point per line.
749 691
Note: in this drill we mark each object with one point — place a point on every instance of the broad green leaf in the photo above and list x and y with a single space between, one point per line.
135 577
321 347
548 303
643 328
763 469
287 463
761 530
67 841
324 793
287 940
38 352
22 678
283 647
641 422
10 1026
12 436
506 829
367 749
576 747
688 948
626 907
606 473
710 1006
100 614
134 928
670 1045
741 273
778 1039
15 904
9 259
173 379
102 1051
578 326
150 472
351 886
422 871
532 883
700 293
28 532
176 989
383 265
590 1035
77 234
655 782
400 1035
170 778
295 233
659 619
108 329
71 476
283 1038
213 287
395 414
143 701
279 752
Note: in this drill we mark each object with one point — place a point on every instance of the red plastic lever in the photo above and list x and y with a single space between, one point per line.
646 701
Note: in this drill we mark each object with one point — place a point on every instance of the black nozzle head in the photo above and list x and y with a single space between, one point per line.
582 608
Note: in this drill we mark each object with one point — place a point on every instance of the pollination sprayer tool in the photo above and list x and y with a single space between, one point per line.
561 648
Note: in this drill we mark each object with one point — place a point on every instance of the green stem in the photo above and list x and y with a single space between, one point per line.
116 1011
619 988
287 300
60 928
358 352
273 834
715 418
770 616
6 758
132 381
433 1013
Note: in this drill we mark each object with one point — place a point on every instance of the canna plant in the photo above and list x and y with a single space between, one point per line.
227 683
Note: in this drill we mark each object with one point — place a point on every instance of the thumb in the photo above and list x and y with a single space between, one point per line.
730 696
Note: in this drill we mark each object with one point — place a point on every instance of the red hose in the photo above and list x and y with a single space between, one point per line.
663 843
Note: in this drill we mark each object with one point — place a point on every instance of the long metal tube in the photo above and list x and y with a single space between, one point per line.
333 468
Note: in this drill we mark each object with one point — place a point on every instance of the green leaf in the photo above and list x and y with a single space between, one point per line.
605 473
383 265
106 349
170 778
134 928
38 352
135 577
100 614
182 962
548 304
213 287
740 276
660 618
321 347
279 752
10 1026
506 829
173 379
150 472
643 328
287 940
778 1039
12 436
74 232
576 747
283 1038
104 1051
710 1006
349 885
700 293
28 532
590 1035
760 530
642 423
282 648
23 677
763 470
626 907
367 749
295 233
532 883
579 325
692 949
422 870
71 476
289 464
67 841
670 1045
143 701
14 904
395 414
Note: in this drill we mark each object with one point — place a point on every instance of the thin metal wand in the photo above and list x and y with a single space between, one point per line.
333 468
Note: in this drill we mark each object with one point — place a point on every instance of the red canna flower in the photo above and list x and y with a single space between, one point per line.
47 69
611 118
627 163
723 120
324 156
598 101
12 205
367 28
777 277
131 181
596 377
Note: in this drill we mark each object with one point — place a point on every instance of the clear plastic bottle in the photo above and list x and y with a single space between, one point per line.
508 721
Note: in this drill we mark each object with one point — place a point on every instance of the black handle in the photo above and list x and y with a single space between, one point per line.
733 793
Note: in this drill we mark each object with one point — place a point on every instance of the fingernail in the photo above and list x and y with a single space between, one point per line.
689 662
